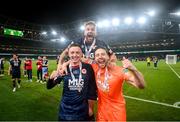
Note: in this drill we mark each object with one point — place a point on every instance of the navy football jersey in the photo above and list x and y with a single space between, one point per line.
98 43
74 101
15 64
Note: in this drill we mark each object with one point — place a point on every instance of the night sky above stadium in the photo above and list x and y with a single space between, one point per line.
66 11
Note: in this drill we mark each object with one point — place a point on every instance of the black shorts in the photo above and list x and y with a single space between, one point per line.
16 74
155 64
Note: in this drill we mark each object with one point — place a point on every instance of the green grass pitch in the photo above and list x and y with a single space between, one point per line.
33 102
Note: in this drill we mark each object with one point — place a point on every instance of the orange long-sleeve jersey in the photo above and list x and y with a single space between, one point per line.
111 103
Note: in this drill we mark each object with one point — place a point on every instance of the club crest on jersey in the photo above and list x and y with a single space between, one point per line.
84 71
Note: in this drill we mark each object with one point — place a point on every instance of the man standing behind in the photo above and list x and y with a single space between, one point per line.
15 66
88 43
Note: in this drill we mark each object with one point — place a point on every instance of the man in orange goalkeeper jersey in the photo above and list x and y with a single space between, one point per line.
109 80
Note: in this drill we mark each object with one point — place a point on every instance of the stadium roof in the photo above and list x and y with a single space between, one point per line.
66 11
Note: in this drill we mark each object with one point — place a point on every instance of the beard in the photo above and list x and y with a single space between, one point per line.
89 37
102 63
90 34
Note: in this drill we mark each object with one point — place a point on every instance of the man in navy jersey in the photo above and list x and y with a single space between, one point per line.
79 87
15 66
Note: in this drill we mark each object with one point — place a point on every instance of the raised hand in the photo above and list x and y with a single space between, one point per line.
54 74
127 64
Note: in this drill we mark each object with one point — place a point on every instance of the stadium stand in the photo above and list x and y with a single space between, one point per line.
159 37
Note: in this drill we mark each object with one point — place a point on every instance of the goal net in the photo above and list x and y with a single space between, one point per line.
171 59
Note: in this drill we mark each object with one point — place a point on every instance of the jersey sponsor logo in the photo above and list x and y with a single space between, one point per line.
76 84
16 63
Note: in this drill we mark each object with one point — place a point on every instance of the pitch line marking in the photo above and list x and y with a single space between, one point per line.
174 71
176 105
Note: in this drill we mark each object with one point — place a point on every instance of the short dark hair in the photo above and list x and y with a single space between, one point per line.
74 45
15 54
100 47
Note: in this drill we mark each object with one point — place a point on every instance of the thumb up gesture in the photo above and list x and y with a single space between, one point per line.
127 64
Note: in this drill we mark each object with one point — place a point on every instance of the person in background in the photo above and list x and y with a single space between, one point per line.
15 66
148 60
57 59
24 67
45 69
155 60
28 63
39 69
2 66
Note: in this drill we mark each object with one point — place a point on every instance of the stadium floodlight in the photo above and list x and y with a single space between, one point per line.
44 33
99 25
82 27
54 32
151 13
62 39
128 20
105 23
141 20
115 22
177 13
